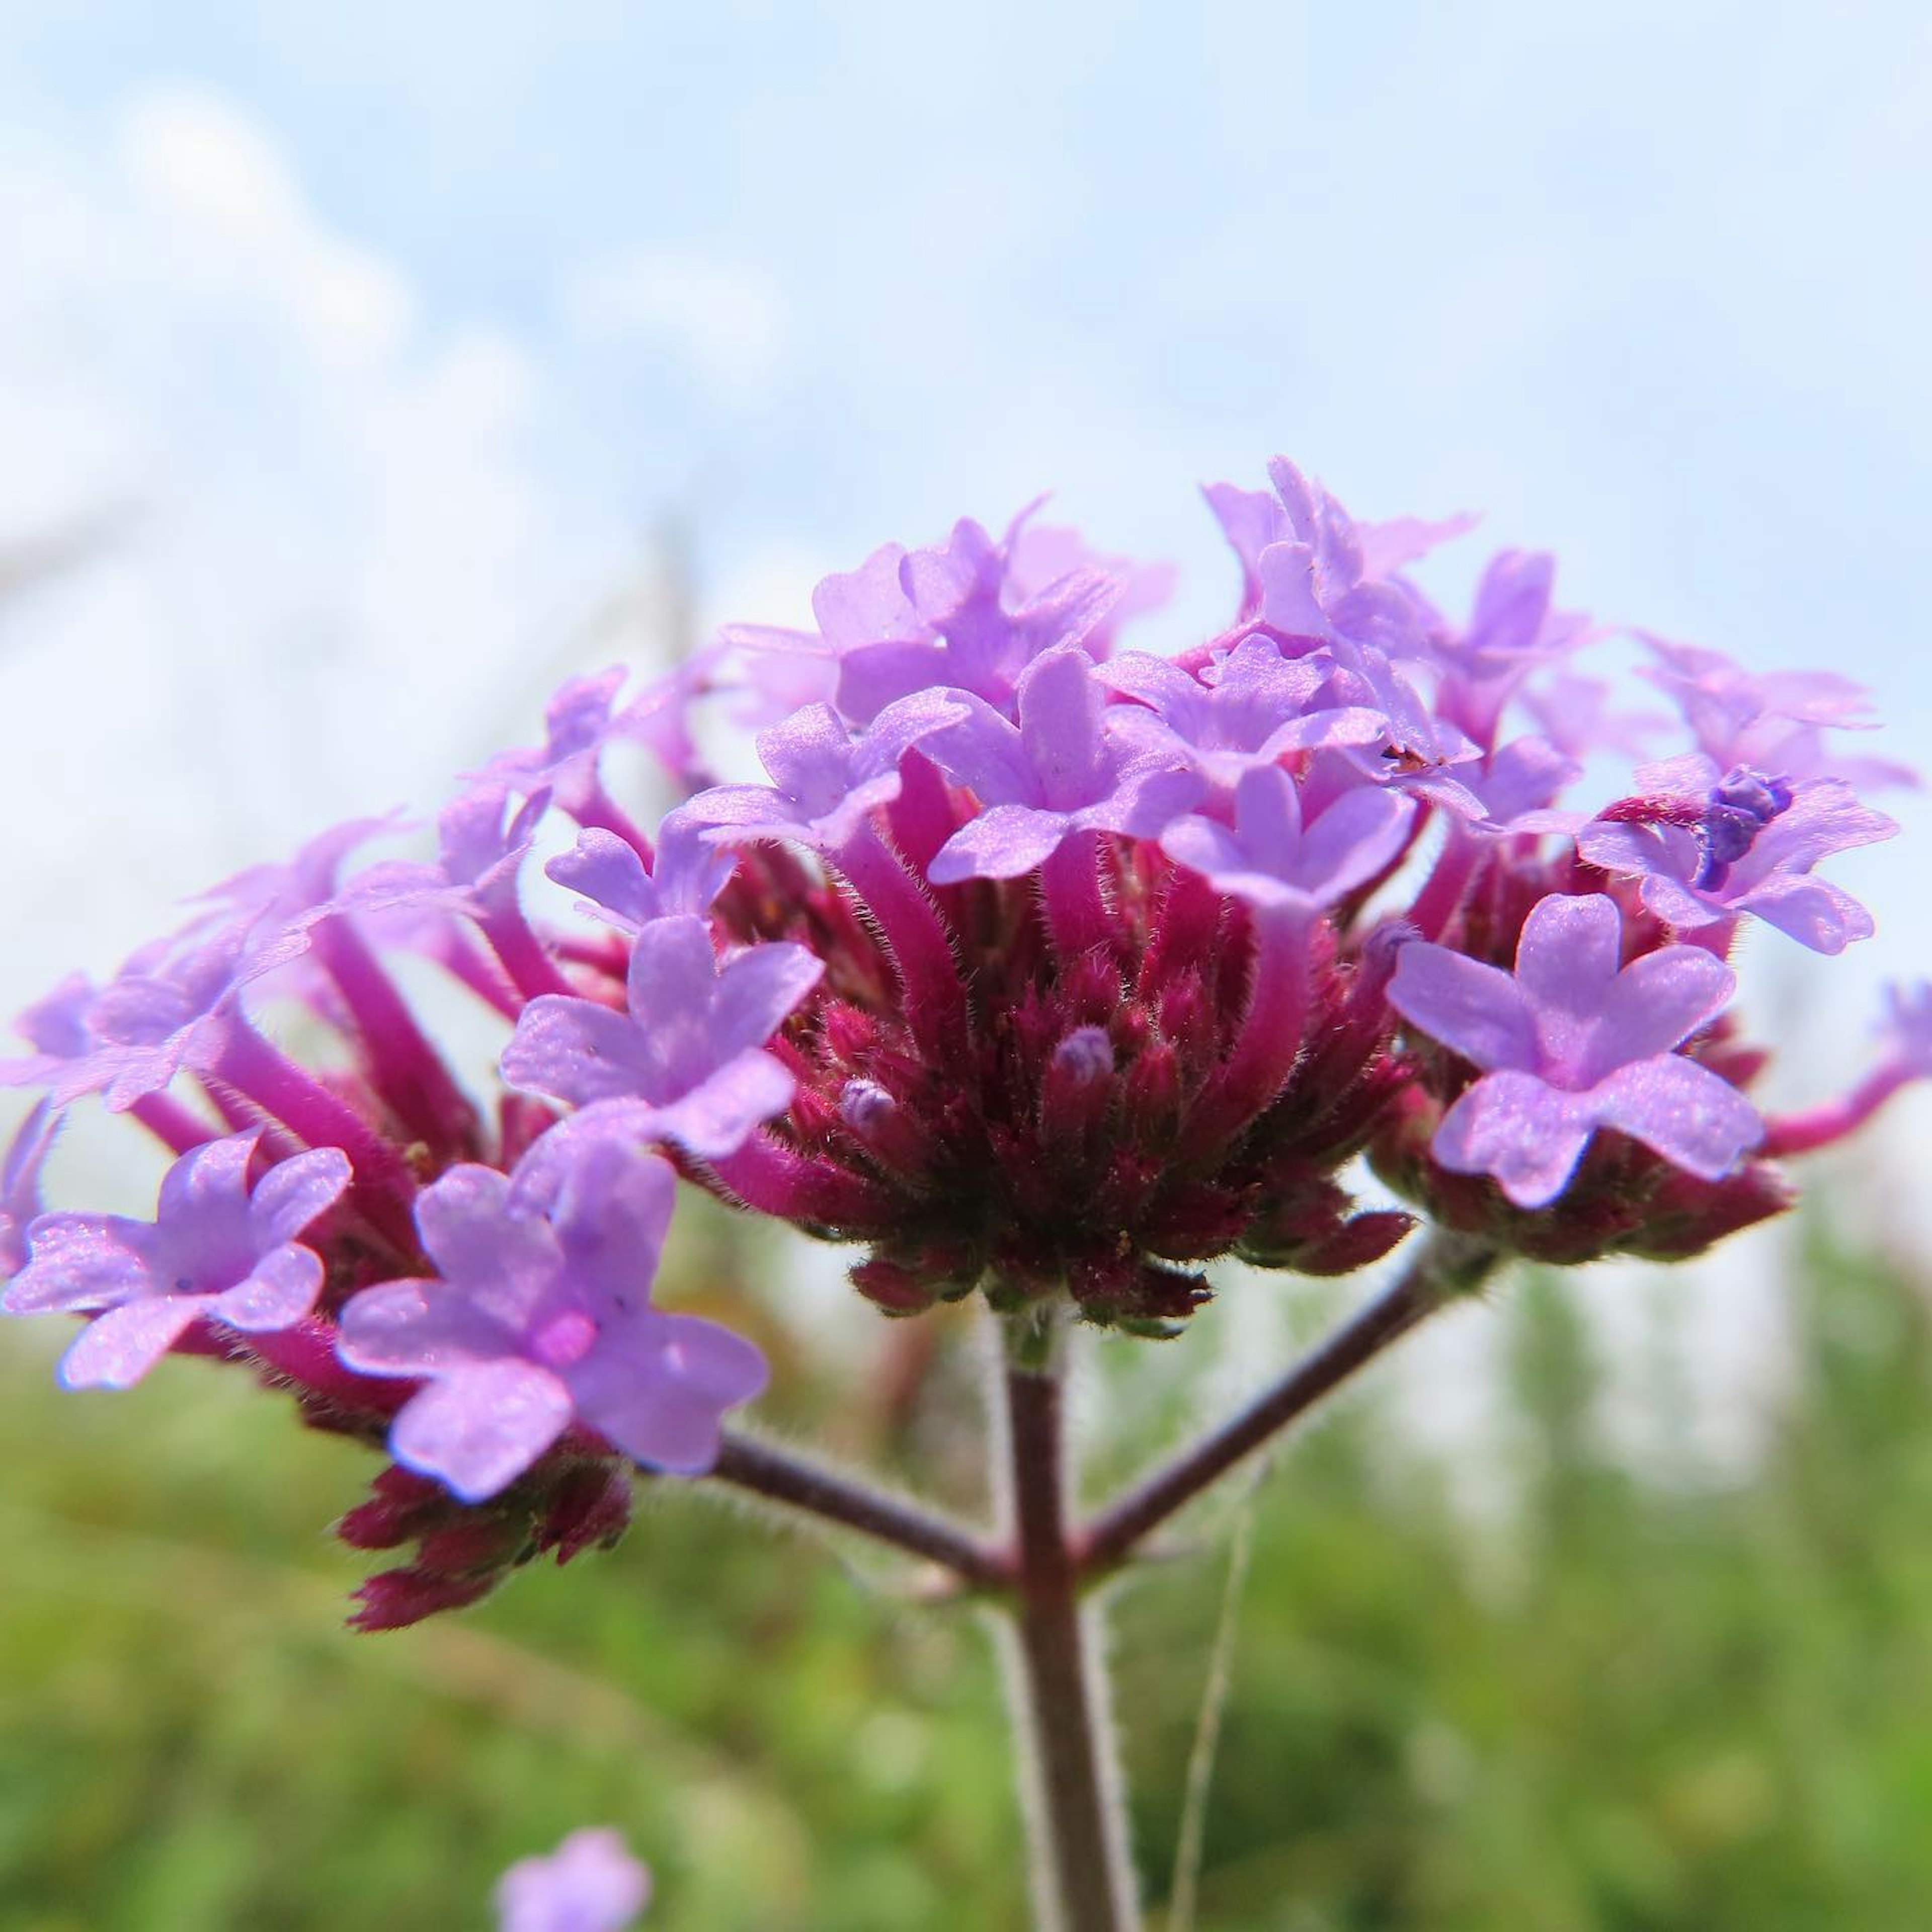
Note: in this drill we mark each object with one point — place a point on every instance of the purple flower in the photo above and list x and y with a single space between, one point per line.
590 1883
1575 714
1259 708
691 1047
1277 865
1905 1031
306 884
542 1315
1058 772
687 875
1517 785
1298 512
20 1184
580 721
985 633
968 613
1707 846
1572 1042
1318 578
826 781
170 1006
213 1249
1512 631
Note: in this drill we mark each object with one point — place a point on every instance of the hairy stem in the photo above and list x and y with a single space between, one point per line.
1448 1265
1083 1881
836 1495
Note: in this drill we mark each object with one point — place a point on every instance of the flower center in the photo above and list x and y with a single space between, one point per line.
564 1340
1736 809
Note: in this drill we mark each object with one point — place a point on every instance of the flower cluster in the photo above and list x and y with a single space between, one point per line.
1038 966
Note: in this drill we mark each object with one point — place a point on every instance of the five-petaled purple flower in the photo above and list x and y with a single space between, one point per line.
541 1316
1708 844
1055 773
1576 1041
691 1047
214 1250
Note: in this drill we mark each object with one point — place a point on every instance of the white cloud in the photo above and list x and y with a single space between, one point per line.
343 568
727 318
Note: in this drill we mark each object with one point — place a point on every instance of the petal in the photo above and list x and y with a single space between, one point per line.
208 1183
1476 1010
1571 951
611 876
293 1192
659 1392
1814 912
117 1349
609 1200
480 1427
719 1114
1509 1125
78 1262
984 753
576 1051
1354 839
421 1328
757 991
1658 1002
1060 706
1666 851
1144 804
1004 843
280 1290
1695 1120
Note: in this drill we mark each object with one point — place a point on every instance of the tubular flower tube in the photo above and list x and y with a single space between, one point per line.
1040 967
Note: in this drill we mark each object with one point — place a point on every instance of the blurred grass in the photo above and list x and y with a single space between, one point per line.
1636 1704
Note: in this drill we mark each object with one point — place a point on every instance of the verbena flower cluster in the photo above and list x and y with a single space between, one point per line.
1038 966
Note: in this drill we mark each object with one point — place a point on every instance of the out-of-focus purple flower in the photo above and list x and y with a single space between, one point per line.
1275 862
1773 722
1512 631
1708 845
969 613
1298 512
170 1006
1517 786
1576 715
1572 1042
1057 773
692 1046
978 635
686 875
20 1184
1260 707
306 884
1905 1031
213 1249
580 722
590 1883
542 1315
1317 580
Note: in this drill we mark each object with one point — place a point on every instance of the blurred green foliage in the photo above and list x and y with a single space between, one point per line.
1632 1703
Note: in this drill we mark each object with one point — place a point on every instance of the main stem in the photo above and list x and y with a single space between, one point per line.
1083 1879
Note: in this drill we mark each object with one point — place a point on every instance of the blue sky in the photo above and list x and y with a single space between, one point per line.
383 333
